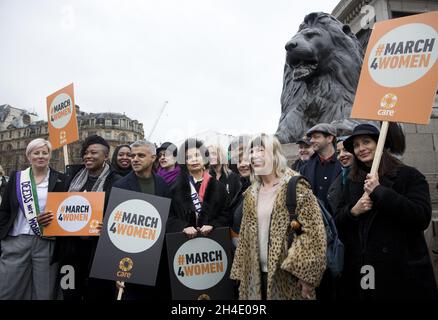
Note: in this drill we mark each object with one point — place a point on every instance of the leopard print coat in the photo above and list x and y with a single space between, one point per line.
305 259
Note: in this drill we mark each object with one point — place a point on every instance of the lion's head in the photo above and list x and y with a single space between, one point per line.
323 62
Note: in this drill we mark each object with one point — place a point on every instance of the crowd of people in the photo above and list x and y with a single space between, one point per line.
380 218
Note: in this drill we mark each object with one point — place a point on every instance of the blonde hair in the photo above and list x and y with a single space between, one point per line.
271 144
38 143
2 172
221 157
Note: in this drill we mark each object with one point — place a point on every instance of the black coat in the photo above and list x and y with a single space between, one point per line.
130 182
79 251
162 286
9 206
3 185
389 237
236 205
298 164
309 171
215 211
231 182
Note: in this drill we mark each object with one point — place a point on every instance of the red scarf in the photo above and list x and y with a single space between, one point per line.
205 179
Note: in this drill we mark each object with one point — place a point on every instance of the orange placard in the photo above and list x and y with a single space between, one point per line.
61 117
76 213
399 75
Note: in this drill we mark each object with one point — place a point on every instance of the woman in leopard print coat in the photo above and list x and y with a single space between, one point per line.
263 264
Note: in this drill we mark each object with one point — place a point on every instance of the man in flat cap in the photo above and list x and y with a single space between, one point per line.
323 167
322 170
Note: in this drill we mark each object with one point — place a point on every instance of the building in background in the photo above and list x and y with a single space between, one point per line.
18 127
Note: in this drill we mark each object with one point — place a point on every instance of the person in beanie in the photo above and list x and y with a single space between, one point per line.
305 151
94 175
121 162
381 221
168 167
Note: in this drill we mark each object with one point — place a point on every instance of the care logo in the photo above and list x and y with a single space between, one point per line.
134 226
388 101
74 213
61 110
403 55
93 226
125 265
200 263
387 104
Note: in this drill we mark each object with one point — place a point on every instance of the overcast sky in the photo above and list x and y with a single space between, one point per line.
219 63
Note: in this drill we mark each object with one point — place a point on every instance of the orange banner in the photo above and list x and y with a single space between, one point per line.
76 213
61 117
399 76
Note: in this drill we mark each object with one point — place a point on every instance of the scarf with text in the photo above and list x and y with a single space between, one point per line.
28 198
196 197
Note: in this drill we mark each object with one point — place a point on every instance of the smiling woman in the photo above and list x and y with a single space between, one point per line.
94 175
381 221
265 263
121 161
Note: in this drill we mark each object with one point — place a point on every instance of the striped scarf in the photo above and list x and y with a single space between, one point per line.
81 178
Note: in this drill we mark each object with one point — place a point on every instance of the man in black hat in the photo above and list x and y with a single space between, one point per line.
168 168
323 167
94 175
305 151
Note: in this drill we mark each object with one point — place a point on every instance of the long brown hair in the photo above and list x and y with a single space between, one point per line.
388 166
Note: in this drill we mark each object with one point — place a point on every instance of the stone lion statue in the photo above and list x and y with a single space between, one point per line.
323 63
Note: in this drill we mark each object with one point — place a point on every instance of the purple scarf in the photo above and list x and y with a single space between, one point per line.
169 176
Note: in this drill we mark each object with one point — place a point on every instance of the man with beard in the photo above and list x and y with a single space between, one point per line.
321 170
323 167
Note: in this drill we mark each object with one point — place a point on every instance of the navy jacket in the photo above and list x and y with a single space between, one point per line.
162 287
130 182
309 171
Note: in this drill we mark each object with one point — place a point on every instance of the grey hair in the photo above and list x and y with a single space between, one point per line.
38 143
148 144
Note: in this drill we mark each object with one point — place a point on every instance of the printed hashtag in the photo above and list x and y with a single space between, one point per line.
117 216
181 260
380 49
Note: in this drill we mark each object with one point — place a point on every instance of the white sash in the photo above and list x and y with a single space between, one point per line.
28 198
195 198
